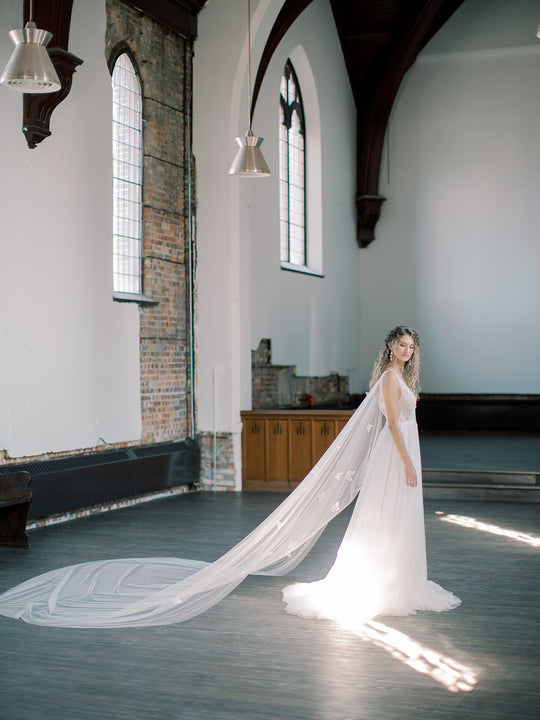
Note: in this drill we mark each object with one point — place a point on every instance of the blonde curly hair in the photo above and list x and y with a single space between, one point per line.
411 371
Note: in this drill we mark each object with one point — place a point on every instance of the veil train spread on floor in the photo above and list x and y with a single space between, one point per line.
138 592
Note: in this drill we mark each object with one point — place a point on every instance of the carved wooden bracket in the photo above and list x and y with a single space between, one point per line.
368 211
37 109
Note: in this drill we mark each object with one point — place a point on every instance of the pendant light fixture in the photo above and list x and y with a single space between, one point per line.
249 160
30 69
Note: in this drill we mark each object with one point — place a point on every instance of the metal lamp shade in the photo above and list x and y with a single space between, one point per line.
249 160
29 69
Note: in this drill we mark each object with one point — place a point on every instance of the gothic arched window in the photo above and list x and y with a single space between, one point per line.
127 177
292 171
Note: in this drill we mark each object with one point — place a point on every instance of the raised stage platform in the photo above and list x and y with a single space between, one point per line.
481 466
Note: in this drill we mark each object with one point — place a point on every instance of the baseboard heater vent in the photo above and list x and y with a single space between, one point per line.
79 481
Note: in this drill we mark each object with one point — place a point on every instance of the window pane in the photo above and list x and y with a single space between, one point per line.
127 178
291 171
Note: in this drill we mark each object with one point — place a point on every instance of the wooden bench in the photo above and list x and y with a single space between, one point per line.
15 500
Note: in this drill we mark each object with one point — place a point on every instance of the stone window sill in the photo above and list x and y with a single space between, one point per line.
134 297
300 269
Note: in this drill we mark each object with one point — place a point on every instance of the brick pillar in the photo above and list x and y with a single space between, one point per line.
163 60
222 474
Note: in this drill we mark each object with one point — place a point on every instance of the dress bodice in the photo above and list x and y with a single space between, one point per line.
407 402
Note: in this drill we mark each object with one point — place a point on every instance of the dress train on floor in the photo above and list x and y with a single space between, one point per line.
381 560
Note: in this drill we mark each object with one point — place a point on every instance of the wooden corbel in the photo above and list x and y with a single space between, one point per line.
368 212
37 109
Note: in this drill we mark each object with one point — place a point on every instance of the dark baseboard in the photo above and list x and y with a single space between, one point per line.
79 481
479 413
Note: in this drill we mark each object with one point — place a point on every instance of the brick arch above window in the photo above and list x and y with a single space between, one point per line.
123 48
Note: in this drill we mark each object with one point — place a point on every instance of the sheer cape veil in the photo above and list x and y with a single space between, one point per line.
138 592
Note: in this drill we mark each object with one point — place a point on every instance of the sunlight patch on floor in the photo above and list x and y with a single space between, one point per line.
454 676
494 529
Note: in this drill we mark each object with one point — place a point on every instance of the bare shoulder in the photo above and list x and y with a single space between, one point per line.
390 380
390 384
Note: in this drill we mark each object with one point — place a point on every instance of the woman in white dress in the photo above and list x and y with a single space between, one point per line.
381 564
381 568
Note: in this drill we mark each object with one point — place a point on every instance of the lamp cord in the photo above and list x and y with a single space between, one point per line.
249 64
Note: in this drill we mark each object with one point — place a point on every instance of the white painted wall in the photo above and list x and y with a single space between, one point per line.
243 295
69 356
312 321
457 248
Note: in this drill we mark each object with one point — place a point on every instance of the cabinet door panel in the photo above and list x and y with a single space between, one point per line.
324 432
341 424
300 450
253 451
277 454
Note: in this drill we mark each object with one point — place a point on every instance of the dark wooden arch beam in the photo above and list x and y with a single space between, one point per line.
380 42
290 10
375 96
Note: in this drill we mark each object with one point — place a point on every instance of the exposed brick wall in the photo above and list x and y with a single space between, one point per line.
275 386
224 472
163 60
262 356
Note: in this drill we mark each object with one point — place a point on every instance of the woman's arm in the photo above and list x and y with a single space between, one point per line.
391 393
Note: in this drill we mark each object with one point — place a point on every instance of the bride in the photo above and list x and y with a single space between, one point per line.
380 568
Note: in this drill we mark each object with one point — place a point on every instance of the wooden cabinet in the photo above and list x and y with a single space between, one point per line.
279 447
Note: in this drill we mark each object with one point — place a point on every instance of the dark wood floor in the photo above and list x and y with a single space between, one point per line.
246 659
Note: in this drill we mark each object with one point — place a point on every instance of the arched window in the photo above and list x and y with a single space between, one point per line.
292 171
127 178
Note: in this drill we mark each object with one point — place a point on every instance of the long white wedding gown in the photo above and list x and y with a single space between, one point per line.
381 567
381 564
